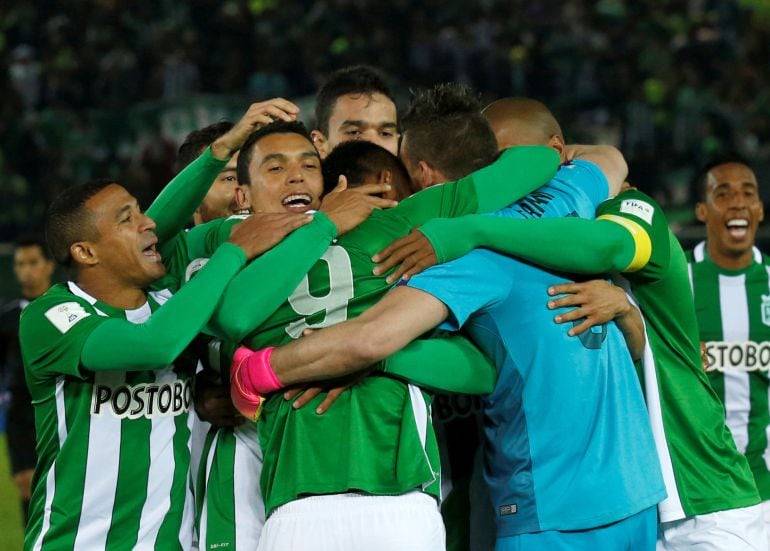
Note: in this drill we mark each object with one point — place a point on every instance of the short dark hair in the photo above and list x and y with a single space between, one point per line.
357 79
698 188
198 140
247 149
357 159
67 220
444 127
32 240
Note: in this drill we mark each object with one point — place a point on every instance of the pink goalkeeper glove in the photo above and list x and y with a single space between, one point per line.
252 377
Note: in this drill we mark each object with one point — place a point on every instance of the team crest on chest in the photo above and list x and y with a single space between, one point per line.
766 309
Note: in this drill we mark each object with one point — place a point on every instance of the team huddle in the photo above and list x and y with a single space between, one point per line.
443 330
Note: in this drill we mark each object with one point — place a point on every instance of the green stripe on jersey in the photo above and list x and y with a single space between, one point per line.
733 308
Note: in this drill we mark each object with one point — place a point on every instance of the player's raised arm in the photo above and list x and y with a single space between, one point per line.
172 209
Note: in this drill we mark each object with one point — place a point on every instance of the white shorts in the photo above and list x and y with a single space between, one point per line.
734 529
766 514
354 522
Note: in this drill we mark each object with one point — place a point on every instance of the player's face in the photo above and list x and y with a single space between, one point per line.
370 117
220 199
125 246
32 269
732 210
285 174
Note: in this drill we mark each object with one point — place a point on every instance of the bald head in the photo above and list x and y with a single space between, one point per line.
522 121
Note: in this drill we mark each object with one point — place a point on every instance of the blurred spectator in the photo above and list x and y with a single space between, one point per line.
680 80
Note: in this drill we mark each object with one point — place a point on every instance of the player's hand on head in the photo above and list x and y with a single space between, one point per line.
256 116
348 207
214 405
261 232
594 302
410 255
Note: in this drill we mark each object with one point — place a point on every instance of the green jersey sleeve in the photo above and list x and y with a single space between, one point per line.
443 364
645 222
120 345
203 240
52 332
517 172
265 284
176 203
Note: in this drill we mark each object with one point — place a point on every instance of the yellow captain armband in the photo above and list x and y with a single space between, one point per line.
643 245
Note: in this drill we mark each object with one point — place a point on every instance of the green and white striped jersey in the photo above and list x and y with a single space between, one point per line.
702 469
733 308
113 446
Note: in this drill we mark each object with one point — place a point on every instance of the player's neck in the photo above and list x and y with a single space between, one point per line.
728 261
112 292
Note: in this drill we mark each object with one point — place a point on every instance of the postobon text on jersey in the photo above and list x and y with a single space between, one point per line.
743 356
143 400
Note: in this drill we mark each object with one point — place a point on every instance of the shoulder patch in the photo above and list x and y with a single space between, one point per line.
640 209
64 316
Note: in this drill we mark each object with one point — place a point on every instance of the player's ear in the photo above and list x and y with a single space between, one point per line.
556 142
427 174
700 211
385 177
241 198
761 211
320 143
83 252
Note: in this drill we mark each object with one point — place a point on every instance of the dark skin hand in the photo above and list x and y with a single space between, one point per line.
213 405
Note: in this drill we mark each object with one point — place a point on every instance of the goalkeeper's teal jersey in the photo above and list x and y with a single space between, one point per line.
113 446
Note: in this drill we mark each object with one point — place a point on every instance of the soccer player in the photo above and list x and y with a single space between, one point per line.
341 284
565 413
220 201
712 498
105 364
33 268
355 103
730 279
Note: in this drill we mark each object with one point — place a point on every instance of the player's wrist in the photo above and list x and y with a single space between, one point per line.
254 371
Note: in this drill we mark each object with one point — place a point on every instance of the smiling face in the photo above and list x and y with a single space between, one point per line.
285 174
732 212
362 116
124 246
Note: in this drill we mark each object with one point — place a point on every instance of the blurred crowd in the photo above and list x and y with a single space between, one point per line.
671 82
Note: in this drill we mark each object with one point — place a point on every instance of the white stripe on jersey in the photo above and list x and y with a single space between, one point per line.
187 528
699 252
735 327
670 508
204 512
50 479
421 413
102 463
247 492
160 478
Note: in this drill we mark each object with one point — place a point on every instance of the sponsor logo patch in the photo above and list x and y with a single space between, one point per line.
740 356
506 510
65 316
640 209
142 400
